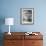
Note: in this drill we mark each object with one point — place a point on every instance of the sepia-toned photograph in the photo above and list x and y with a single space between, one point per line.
27 15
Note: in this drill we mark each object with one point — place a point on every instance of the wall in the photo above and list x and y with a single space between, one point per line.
11 8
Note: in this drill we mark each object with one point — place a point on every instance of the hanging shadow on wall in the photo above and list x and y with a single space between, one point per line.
2 21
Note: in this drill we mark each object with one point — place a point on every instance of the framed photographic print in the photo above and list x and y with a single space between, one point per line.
27 15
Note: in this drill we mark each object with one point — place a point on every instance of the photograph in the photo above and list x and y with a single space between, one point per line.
27 15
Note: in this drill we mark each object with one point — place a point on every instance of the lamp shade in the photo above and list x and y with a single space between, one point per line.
9 21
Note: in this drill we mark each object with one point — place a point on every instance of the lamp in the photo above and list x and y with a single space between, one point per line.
9 21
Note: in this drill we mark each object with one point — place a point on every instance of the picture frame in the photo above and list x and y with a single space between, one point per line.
27 15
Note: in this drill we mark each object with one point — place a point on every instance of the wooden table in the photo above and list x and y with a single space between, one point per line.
20 39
